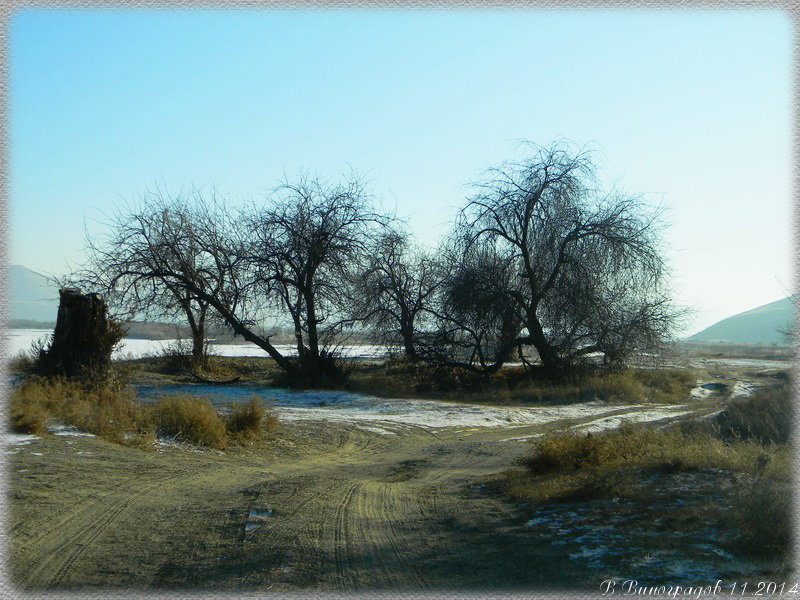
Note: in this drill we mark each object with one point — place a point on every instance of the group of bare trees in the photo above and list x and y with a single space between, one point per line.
538 264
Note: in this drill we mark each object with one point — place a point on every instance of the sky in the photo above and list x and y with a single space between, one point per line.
691 109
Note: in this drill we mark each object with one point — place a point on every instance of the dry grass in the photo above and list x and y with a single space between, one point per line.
107 411
766 416
189 419
23 363
248 422
401 377
762 519
750 440
113 413
569 464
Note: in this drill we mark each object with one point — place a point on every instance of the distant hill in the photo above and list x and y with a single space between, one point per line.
33 303
762 325
32 298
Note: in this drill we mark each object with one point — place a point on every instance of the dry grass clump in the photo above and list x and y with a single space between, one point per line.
749 442
107 411
762 519
629 386
249 421
573 465
666 385
28 413
633 446
177 359
765 416
189 419
114 414
23 363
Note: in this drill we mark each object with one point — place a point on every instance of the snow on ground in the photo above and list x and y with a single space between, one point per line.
379 414
701 392
20 340
755 363
744 388
68 430
643 415
13 442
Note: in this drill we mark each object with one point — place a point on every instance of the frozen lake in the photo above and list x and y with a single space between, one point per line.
20 340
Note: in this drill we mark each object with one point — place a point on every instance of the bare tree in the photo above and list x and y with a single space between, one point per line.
475 322
134 236
178 254
394 292
302 246
582 270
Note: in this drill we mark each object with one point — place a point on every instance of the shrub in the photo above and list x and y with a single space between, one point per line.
667 385
250 420
177 357
766 416
328 370
27 419
189 419
640 446
105 410
762 518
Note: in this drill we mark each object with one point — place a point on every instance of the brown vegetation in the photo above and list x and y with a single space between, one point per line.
748 441
115 414
513 385
107 411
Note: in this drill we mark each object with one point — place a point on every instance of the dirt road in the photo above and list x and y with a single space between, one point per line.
325 506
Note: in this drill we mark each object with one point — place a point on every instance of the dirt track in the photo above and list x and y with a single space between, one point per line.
352 510
327 506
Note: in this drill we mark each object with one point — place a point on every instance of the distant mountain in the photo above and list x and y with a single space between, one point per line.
31 296
763 325
33 303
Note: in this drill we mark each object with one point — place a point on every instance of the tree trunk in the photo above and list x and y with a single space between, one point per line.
551 361
83 338
407 335
198 328
198 346
313 337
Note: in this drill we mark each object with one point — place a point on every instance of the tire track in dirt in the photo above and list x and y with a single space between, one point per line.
68 513
380 507
341 538
60 554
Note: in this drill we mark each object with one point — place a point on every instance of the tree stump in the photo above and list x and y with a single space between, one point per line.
83 338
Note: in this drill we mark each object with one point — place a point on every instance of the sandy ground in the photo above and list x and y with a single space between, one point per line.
330 505
351 494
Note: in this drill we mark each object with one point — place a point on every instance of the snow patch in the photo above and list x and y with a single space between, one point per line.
656 413
259 515
743 389
17 439
68 430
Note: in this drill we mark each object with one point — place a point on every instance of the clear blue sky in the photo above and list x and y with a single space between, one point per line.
691 108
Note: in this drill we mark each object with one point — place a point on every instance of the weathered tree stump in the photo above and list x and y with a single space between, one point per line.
83 338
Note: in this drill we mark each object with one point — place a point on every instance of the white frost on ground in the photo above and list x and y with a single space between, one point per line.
656 413
68 430
644 415
370 412
256 518
743 388
11 442
700 392
259 515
